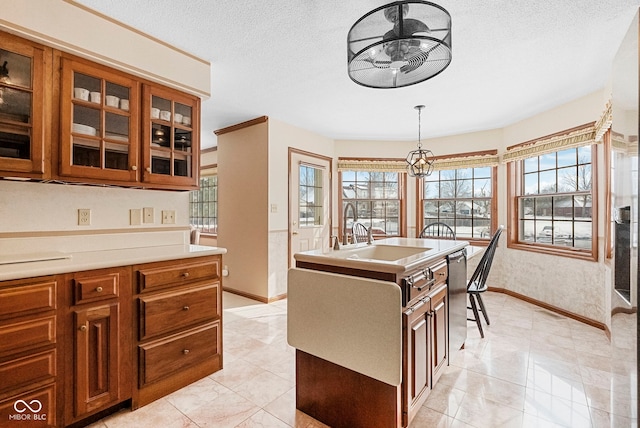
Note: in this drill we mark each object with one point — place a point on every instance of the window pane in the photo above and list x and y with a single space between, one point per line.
484 172
568 179
548 161
431 190
531 184
482 187
464 188
531 164
567 157
464 173
447 189
548 181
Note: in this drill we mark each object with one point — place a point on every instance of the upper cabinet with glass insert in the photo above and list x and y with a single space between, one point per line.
99 133
171 138
24 66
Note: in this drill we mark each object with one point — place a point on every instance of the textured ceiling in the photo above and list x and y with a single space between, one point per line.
286 59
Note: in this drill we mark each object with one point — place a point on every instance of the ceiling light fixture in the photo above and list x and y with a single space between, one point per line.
399 44
420 162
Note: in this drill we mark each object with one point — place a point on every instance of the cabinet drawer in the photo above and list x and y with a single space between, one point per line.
161 313
33 409
23 336
96 288
440 273
165 357
175 274
23 371
27 298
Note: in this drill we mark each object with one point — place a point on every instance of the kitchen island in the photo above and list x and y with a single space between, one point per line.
370 324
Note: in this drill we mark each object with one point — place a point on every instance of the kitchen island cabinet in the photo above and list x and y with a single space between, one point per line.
388 344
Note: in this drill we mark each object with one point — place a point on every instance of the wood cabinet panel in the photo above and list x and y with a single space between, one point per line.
96 288
30 369
164 357
166 312
33 409
27 298
27 335
152 277
96 356
439 333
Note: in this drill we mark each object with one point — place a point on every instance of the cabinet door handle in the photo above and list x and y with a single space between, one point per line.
148 169
185 351
83 328
185 308
99 289
134 168
185 275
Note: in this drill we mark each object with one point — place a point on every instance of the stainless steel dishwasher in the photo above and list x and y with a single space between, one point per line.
457 289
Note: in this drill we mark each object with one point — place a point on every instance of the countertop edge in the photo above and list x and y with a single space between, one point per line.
92 260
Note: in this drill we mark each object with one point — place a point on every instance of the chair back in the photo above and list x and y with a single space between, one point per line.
360 231
437 230
481 273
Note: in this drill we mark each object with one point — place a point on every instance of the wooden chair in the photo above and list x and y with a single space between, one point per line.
359 231
437 230
478 282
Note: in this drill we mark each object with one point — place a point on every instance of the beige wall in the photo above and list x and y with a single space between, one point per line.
243 201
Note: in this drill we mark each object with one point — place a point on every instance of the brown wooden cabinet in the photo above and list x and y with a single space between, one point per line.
170 136
179 325
99 122
439 332
25 100
71 119
28 352
98 363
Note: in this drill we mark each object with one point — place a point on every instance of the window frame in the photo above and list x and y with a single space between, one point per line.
514 191
402 198
420 224
202 231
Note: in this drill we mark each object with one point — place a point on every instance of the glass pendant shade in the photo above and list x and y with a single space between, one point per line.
399 44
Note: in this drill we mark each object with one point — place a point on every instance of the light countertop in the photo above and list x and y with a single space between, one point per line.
26 265
349 256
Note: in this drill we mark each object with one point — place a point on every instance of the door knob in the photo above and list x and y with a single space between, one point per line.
83 328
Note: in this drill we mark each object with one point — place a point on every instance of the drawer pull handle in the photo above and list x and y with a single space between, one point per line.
83 328
99 289
185 275
185 308
185 351
441 273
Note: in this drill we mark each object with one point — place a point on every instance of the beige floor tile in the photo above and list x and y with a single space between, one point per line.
262 419
226 411
482 413
445 399
557 410
263 388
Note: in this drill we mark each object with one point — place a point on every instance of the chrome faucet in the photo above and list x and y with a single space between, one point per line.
370 235
345 239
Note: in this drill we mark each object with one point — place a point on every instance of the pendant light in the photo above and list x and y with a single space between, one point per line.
399 44
420 162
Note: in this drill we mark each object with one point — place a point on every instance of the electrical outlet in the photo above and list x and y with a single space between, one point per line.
147 215
84 217
135 216
168 217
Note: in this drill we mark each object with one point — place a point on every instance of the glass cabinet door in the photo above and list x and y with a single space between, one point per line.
99 123
170 130
22 106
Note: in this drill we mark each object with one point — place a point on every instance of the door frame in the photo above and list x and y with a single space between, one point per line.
291 151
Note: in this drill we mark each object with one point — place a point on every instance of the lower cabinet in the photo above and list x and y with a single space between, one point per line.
425 349
178 324
98 347
28 353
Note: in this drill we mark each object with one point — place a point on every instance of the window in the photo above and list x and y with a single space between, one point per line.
310 196
553 197
463 198
377 198
203 205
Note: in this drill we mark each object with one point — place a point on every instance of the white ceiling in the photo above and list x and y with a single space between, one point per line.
286 59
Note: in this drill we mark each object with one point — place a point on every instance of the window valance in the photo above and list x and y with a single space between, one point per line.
604 123
575 137
466 160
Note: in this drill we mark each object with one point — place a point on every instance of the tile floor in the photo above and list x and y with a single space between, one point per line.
534 368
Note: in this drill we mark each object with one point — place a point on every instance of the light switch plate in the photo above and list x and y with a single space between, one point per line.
135 216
